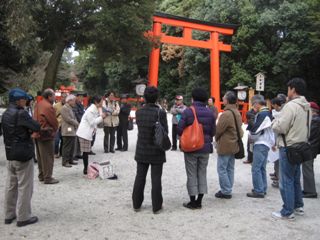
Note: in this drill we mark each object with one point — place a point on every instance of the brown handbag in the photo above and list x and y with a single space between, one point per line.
192 138
240 154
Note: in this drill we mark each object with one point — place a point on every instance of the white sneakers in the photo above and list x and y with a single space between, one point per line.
299 211
291 217
277 215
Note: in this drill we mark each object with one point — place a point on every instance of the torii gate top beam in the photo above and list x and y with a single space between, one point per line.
177 21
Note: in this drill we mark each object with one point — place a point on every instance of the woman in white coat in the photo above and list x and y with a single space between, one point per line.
88 127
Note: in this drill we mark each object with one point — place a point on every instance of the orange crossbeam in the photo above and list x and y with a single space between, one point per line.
195 26
189 42
186 42
224 47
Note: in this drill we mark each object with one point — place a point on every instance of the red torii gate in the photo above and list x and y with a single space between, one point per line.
188 25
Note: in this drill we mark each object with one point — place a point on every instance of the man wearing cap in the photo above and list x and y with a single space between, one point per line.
212 107
17 128
69 125
309 185
45 114
176 111
122 130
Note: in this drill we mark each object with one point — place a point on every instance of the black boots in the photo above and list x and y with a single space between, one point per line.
194 204
85 163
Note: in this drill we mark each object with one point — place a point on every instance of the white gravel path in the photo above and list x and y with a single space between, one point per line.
78 208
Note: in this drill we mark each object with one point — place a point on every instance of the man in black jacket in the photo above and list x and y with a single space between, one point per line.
309 185
122 130
17 128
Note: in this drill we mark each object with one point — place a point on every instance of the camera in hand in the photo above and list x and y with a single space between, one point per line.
107 110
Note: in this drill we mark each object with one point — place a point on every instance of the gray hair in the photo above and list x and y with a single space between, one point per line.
48 93
258 99
70 97
230 96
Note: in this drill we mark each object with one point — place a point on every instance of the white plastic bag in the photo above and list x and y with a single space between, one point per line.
106 170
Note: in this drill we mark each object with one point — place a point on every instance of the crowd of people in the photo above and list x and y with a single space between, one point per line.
291 121
68 130
54 129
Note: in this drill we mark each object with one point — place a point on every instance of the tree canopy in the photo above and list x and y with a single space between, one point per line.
278 37
114 28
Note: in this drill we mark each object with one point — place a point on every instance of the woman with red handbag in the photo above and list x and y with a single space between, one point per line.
196 157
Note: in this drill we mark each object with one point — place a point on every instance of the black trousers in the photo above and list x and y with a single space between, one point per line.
122 136
109 138
77 151
174 135
309 184
140 182
68 149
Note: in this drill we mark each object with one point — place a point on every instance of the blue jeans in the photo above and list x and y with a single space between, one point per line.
290 186
258 170
225 169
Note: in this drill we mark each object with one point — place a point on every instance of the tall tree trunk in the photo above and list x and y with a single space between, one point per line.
52 68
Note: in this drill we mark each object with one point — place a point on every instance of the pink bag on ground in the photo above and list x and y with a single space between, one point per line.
93 170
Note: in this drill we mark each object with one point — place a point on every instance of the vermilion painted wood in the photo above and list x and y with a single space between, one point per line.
154 58
194 26
188 25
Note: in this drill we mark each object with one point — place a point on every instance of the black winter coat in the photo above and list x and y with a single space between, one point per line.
78 110
124 114
18 126
314 138
146 150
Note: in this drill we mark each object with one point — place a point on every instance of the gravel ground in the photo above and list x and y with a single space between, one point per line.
78 208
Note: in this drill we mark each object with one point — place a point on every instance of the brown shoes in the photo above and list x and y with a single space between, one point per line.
247 162
51 181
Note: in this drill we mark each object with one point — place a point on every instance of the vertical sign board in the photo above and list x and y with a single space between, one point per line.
260 82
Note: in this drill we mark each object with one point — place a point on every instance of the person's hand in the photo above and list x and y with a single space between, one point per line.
104 115
274 148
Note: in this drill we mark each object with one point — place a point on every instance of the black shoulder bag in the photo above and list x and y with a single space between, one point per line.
298 152
161 138
240 154
130 124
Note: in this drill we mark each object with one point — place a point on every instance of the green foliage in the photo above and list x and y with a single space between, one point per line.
114 28
19 28
177 7
279 38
